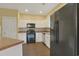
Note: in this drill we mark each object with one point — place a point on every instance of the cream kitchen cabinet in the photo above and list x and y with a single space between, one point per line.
47 39
22 36
39 37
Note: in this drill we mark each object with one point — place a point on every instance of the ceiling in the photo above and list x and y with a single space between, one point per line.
33 8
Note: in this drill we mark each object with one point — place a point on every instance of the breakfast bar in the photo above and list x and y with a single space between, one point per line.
10 47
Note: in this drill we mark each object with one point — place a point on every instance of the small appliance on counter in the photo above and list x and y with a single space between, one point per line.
31 35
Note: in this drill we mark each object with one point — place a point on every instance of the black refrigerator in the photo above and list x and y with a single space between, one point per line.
64 41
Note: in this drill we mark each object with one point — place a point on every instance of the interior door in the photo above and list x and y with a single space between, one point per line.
9 28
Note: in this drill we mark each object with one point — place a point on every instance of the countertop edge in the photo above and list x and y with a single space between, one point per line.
6 47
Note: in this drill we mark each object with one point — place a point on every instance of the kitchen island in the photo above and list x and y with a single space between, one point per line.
10 47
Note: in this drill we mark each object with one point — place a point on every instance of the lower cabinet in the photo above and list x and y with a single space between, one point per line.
47 40
22 36
39 37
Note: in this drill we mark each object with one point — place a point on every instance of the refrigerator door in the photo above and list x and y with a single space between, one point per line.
65 44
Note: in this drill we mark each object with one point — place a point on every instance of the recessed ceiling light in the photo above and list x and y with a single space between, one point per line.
41 12
26 10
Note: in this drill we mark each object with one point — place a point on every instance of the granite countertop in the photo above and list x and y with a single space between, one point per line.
8 42
24 30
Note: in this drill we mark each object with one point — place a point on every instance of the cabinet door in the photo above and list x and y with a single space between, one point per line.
9 27
39 37
47 39
22 36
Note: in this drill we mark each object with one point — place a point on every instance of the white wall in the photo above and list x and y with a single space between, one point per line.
48 20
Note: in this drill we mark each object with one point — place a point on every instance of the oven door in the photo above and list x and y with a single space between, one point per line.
30 36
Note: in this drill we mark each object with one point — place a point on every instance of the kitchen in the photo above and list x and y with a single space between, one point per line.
44 29
13 24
